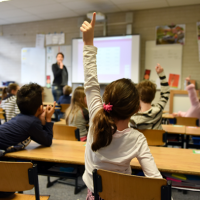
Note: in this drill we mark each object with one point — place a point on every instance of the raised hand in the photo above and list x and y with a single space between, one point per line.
49 111
88 31
158 68
61 65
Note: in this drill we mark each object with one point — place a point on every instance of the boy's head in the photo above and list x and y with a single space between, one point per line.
29 99
67 90
147 91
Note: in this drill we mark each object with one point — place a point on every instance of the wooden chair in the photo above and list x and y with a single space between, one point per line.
155 137
64 132
116 186
2 115
19 176
64 107
187 121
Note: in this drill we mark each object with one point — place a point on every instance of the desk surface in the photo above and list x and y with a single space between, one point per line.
167 159
168 116
190 130
49 103
62 122
173 128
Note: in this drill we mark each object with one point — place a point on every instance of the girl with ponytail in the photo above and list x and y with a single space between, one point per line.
111 143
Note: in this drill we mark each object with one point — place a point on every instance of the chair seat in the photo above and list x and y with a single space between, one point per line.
17 196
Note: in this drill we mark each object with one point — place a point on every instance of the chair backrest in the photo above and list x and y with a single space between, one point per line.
64 107
2 114
155 137
187 121
17 176
65 132
116 186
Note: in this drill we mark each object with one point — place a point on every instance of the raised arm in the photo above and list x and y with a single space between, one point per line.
165 89
91 84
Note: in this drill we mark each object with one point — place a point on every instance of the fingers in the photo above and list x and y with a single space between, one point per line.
93 19
82 29
54 104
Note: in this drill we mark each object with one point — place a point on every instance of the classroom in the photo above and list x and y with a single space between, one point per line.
99 99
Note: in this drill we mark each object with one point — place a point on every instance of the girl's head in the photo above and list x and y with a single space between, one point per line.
59 57
124 97
11 89
78 101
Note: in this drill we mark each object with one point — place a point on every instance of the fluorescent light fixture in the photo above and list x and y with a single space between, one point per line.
3 0
99 16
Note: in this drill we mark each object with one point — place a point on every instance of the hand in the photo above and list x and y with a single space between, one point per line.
61 65
159 69
42 117
49 111
187 80
88 31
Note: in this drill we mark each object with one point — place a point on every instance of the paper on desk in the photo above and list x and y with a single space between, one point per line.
196 151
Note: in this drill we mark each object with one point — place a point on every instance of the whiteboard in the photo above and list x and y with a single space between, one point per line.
51 59
168 56
33 65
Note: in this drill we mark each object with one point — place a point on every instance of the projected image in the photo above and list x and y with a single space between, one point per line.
114 59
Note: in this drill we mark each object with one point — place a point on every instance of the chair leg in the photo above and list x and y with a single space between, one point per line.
76 190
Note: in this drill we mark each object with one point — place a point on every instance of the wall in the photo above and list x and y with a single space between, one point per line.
17 36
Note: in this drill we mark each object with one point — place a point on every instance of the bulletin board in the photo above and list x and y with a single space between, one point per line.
168 56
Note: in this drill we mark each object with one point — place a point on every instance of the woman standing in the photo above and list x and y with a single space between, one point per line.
60 76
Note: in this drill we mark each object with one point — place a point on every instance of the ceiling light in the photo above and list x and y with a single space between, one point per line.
3 0
99 16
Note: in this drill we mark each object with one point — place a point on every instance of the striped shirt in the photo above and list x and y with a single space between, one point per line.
152 118
9 104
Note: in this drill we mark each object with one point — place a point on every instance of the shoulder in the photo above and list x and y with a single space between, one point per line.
54 65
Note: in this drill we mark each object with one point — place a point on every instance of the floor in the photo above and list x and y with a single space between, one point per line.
65 192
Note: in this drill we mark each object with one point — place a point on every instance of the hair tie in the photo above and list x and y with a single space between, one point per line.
107 107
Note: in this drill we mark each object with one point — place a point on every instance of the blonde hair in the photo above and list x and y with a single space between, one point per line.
67 90
77 102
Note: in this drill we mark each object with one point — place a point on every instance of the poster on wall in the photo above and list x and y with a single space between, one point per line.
170 34
198 37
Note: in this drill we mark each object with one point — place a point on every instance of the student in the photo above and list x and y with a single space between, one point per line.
34 122
150 115
65 98
111 143
194 110
9 101
77 113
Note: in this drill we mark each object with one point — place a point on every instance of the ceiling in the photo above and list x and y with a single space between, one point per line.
18 11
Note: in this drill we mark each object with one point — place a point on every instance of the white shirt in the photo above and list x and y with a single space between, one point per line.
125 145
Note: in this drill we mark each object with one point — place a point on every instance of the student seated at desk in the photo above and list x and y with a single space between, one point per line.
64 99
111 143
194 110
32 123
150 115
77 113
9 103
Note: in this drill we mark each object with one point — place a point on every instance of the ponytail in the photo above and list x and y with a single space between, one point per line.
4 93
104 128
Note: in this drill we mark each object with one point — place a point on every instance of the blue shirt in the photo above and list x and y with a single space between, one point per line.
65 99
23 126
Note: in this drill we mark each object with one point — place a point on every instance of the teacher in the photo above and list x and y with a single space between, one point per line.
60 76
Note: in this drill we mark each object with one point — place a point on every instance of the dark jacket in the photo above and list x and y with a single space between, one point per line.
23 126
57 72
64 99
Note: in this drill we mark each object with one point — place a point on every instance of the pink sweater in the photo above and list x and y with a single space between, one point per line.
194 110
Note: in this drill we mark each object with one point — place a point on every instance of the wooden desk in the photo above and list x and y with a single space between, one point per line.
49 103
167 159
62 122
173 128
168 116
190 130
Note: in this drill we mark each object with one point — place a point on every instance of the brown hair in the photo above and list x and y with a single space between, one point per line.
147 91
77 102
67 90
124 97
7 90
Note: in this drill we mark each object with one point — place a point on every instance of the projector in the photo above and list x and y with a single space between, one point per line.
99 16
